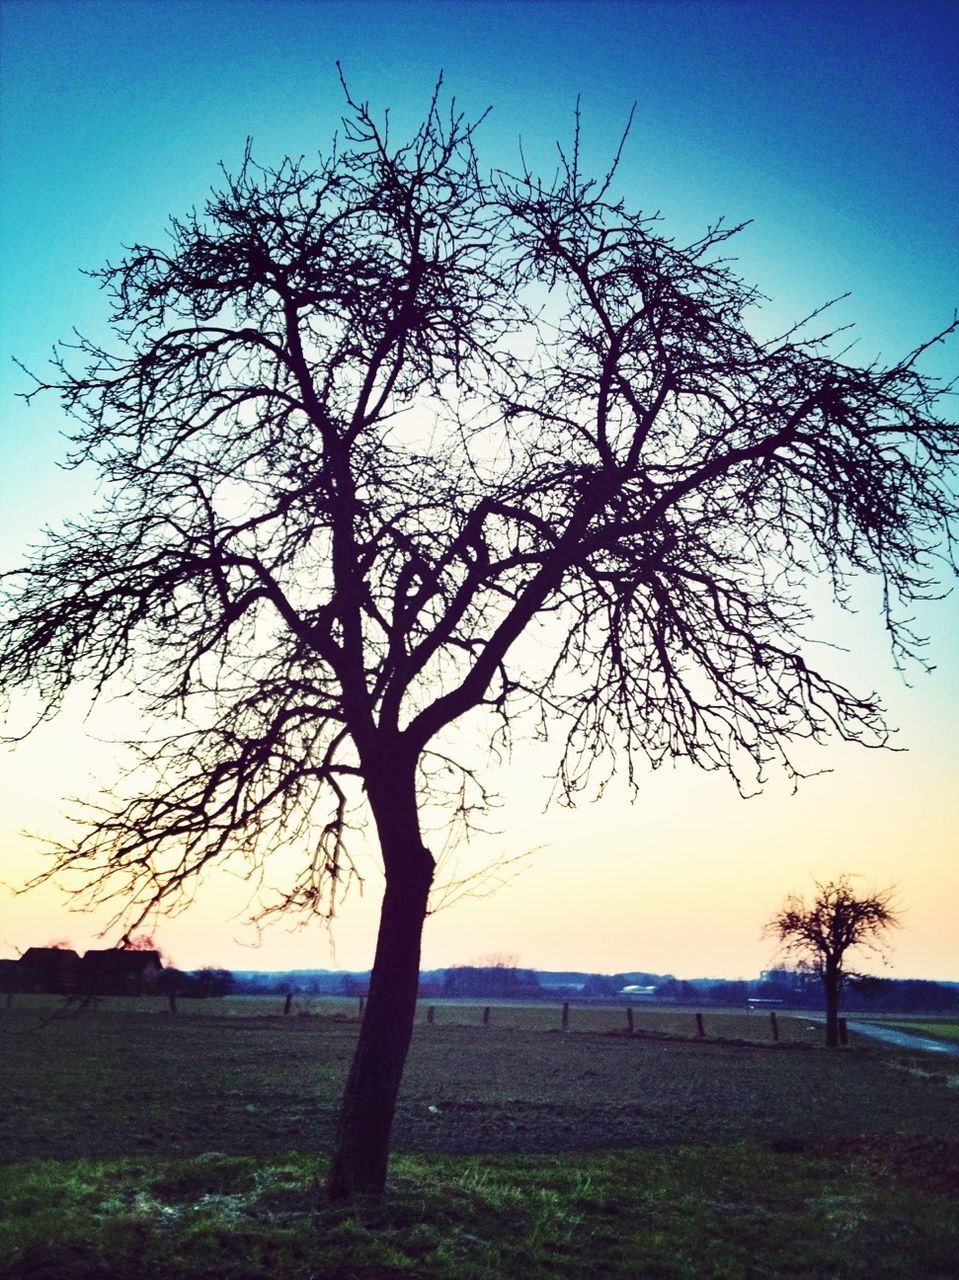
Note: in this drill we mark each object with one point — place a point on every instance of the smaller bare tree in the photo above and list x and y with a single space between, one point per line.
822 931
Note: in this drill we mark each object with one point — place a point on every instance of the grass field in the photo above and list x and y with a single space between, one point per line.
920 1027
167 1147
529 1016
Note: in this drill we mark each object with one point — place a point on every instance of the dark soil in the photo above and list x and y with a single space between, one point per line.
109 1084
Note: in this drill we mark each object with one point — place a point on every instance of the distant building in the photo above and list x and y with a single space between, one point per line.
114 972
562 988
49 969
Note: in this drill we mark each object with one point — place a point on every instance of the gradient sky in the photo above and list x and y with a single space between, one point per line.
833 126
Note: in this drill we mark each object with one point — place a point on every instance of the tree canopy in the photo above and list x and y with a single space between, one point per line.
397 457
835 921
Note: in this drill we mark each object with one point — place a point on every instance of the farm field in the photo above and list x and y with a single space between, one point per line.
144 1144
531 1016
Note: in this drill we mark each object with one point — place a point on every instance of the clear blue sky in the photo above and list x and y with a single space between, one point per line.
832 125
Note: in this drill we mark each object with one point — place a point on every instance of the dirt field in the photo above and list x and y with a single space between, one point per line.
131 1077
139 1145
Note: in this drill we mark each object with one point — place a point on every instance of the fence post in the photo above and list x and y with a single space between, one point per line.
843 1031
171 999
700 1029
565 1022
430 1014
486 1013
288 1003
774 1024
360 1011
629 1020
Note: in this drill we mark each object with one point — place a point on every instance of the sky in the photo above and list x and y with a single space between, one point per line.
832 126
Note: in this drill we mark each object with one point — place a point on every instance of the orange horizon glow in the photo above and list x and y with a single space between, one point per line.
681 881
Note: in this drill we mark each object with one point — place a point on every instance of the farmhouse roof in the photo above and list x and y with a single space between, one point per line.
114 960
37 957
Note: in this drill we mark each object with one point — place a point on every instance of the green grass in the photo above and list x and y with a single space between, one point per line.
938 1030
712 1213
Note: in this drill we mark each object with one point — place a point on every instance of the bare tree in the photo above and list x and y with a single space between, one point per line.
397 459
140 942
147 942
822 931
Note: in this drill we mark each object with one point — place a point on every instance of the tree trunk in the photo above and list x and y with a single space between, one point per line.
832 983
361 1151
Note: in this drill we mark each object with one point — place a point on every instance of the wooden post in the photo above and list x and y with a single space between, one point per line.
171 1000
360 1011
565 1023
774 1024
486 1013
629 1021
700 1029
9 999
288 1004
843 1031
430 1014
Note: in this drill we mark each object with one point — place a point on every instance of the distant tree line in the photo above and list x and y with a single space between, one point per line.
493 981
58 970
306 982
792 988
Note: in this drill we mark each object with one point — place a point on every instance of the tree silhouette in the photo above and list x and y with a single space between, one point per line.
823 930
396 459
146 942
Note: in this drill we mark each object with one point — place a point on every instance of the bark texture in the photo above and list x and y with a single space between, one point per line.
832 981
361 1152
